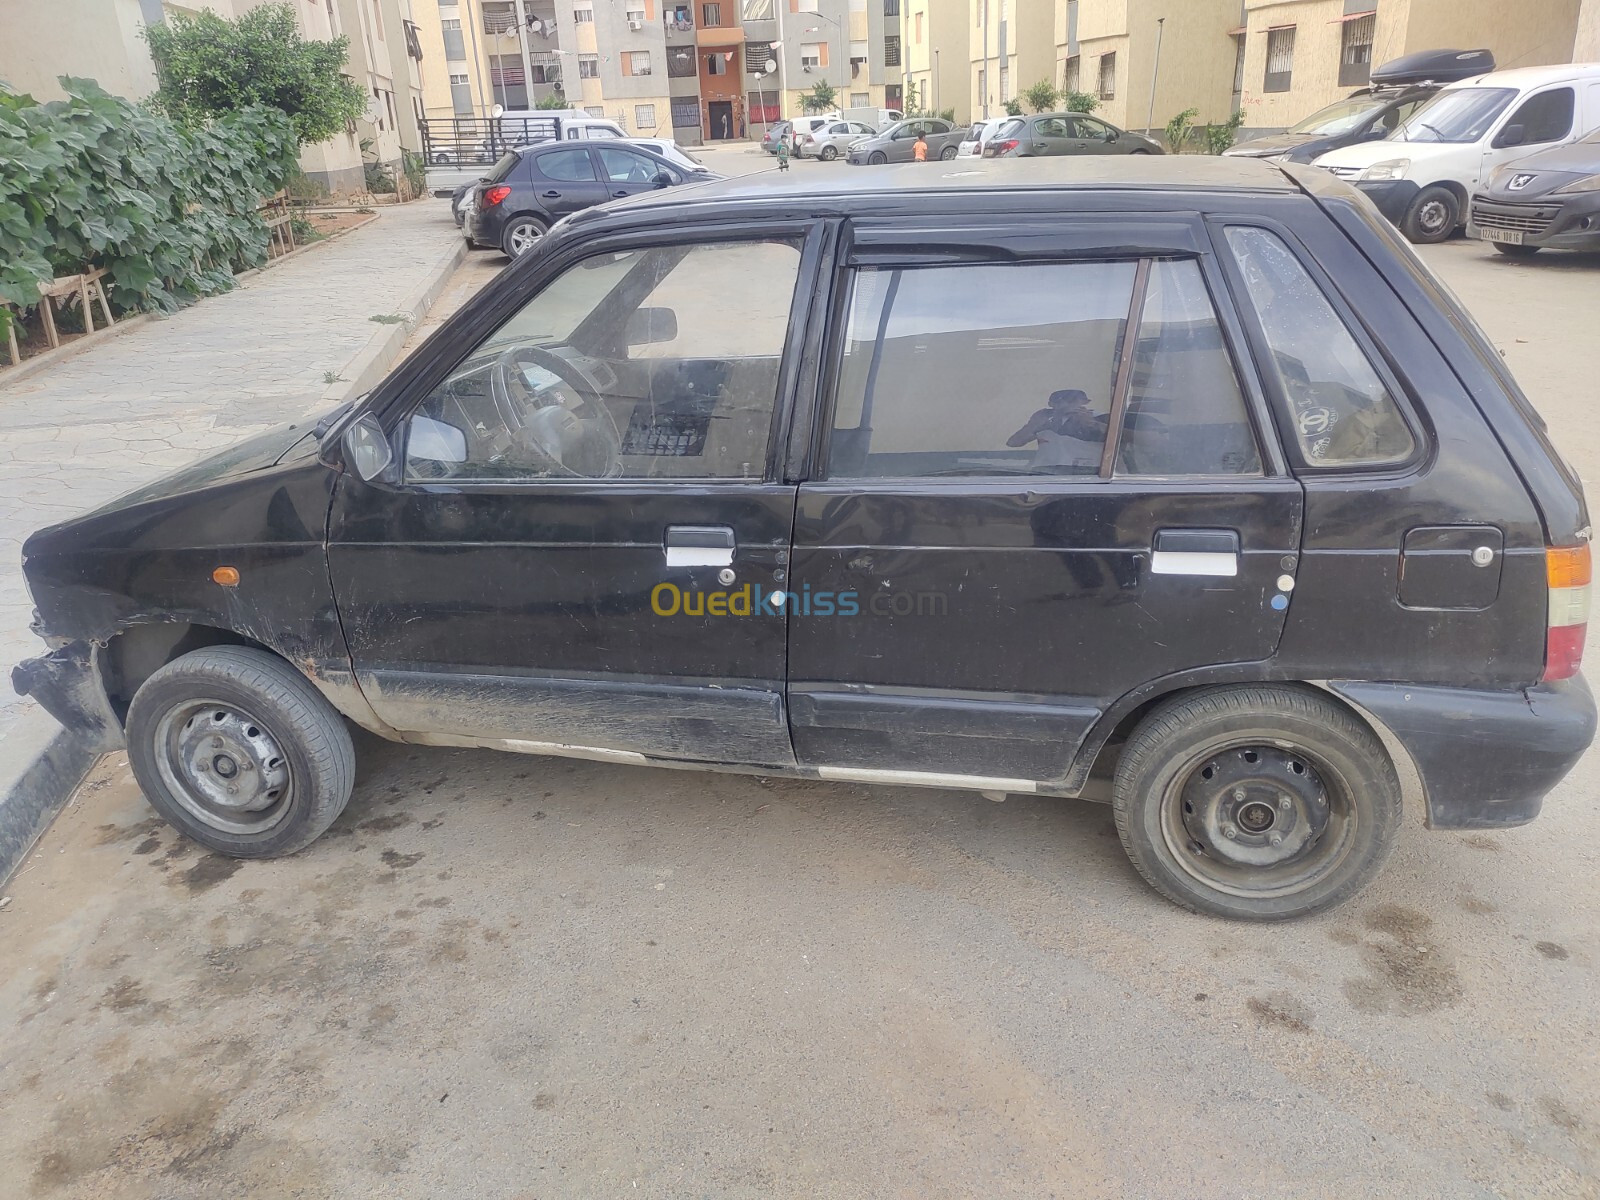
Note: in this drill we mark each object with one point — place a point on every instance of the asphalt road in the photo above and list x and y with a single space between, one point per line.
510 977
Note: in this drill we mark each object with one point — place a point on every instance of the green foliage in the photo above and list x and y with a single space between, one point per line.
1218 138
415 171
820 98
96 180
380 180
207 66
554 100
1078 102
1178 129
1041 97
1013 108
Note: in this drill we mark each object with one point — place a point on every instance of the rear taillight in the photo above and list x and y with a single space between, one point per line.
495 194
1567 568
1002 147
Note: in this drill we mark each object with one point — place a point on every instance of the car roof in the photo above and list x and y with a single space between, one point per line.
1528 77
995 177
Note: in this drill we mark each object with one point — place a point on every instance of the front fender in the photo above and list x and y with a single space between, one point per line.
69 684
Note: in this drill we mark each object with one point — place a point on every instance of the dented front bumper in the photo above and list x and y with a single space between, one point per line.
69 684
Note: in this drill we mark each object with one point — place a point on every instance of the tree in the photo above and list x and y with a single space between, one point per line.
1042 96
820 98
1079 102
1013 108
1178 129
553 100
207 66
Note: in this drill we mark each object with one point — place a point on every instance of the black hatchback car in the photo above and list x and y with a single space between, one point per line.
529 190
1178 480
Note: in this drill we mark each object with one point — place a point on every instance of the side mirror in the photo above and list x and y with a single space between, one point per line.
1111 135
649 326
664 179
366 448
1511 135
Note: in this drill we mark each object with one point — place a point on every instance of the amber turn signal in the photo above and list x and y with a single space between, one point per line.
226 576
1568 566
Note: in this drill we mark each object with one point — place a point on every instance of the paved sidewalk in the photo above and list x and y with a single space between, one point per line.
147 402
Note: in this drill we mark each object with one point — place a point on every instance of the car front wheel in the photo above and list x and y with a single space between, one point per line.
235 748
1433 215
521 233
1256 802
877 158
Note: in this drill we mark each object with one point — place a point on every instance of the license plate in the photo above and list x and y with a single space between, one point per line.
1511 237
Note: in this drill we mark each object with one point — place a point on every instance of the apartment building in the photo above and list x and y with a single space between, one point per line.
1298 55
1011 46
936 52
103 40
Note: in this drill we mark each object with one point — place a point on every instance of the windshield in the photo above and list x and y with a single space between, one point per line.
1455 115
1341 117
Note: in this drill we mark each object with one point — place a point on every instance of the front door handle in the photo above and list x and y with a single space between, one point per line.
1195 552
699 546
620 192
552 194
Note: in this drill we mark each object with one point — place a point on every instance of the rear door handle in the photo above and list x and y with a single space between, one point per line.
699 546
552 194
1195 552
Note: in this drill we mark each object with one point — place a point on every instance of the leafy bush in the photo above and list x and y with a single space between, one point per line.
380 180
207 66
1013 108
415 171
171 212
1178 129
1082 102
1220 137
554 100
1041 97
820 99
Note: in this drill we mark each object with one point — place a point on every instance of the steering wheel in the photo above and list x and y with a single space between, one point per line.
579 439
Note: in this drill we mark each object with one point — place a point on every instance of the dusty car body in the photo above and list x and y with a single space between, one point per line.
861 480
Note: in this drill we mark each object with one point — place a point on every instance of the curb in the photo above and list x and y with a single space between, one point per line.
373 361
41 763
39 362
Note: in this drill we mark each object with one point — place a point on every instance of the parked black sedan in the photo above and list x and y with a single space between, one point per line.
1050 134
1036 480
1550 199
531 189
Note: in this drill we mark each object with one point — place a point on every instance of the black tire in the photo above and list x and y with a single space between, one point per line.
1138 152
278 731
877 158
510 243
1433 215
829 153
1516 251
947 154
1198 814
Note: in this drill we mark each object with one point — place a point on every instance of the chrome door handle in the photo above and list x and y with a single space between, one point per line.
1213 552
699 546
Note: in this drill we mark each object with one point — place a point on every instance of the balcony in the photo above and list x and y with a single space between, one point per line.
679 26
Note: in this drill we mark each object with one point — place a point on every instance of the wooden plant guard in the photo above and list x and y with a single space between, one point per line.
279 220
11 333
87 287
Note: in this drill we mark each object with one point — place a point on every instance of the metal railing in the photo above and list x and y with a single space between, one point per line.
479 141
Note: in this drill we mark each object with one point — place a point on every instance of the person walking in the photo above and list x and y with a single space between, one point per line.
920 150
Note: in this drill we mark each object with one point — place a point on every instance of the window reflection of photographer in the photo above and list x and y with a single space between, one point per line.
1068 435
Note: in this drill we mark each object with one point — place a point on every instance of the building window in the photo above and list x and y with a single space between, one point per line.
588 66
1072 75
860 99
507 78
1355 51
1280 59
636 62
680 62
545 69
460 93
583 16
686 112
811 54
644 116
595 110
891 8
918 20
711 14
455 46
759 10
636 17
717 63
499 18
893 96
891 50
1108 76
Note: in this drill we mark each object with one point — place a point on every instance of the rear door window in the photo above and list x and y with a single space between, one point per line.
568 166
1019 369
1342 413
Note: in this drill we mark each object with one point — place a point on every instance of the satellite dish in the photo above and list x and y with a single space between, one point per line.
499 110
768 67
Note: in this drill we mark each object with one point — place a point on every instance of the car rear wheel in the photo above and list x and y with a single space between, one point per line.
1256 803
1433 215
1516 251
829 153
877 158
235 748
947 153
1138 152
520 236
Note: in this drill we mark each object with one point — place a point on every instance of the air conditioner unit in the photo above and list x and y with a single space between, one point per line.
636 25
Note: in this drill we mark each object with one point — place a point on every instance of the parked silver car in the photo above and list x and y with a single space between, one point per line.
898 142
1050 134
827 142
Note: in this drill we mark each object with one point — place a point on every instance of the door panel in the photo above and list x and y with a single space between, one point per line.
564 181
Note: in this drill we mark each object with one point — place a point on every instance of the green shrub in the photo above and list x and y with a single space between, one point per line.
1179 128
1042 96
1079 102
380 180
1220 137
1013 108
95 180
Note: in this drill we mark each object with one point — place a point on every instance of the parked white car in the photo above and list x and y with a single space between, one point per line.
972 145
1422 175
800 125
829 141
672 152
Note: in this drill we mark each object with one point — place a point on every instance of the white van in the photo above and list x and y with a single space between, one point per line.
1422 175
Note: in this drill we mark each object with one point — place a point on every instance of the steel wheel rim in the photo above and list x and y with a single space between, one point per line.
523 236
1431 217
224 766
1198 811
